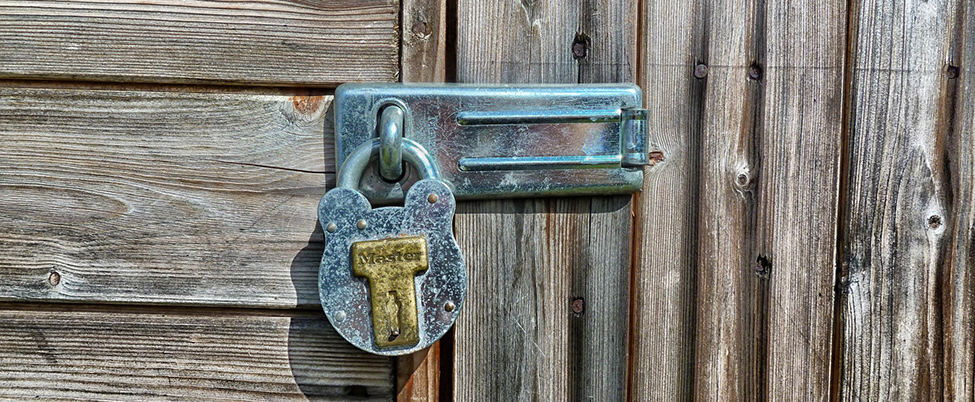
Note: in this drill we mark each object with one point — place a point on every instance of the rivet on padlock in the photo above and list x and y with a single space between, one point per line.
392 280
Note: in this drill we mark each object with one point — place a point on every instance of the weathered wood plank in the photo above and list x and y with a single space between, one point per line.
907 254
959 316
424 42
732 294
798 187
418 376
665 248
289 42
161 197
748 118
512 342
529 260
74 353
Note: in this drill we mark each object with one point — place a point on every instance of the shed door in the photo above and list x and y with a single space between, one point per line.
804 233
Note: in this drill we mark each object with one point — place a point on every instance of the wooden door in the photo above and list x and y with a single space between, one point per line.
160 167
804 231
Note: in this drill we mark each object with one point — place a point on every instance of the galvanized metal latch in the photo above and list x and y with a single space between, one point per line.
497 141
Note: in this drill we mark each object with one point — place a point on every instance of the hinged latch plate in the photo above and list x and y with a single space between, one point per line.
504 141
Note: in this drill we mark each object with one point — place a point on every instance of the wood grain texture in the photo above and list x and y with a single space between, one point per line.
747 120
70 353
512 341
424 40
418 375
520 339
959 314
733 287
161 197
290 42
798 187
665 247
528 260
907 246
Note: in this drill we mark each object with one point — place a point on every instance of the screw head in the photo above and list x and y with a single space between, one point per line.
578 305
449 306
331 227
701 71
432 198
361 224
340 316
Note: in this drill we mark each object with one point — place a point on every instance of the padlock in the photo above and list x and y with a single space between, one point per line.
392 280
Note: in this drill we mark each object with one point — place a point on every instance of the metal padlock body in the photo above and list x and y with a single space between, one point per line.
427 212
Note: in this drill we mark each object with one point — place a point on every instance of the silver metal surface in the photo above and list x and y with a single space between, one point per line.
350 174
345 297
502 141
634 136
391 143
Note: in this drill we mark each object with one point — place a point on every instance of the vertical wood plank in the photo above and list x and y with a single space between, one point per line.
732 302
799 191
511 343
665 250
423 42
959 314
418 375
748 117
529 260
907 255
423 59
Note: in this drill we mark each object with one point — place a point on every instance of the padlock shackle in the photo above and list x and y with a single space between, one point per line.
413 153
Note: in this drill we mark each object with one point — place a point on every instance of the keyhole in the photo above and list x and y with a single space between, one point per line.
392 311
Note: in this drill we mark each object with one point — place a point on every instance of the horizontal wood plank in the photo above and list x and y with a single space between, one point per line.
73 354
162 197
289 42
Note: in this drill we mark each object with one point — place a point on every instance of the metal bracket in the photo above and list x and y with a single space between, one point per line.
499 141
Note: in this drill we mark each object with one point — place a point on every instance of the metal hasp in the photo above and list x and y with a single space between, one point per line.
498 141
